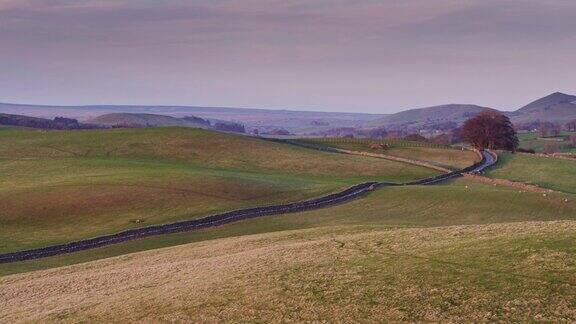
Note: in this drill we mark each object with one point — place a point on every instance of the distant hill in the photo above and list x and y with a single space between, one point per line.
429 116
294 121
549 101
556 107
145 120
42 123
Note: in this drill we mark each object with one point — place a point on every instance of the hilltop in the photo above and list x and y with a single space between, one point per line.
429 116
549 101
43 123
144 120
556 107
294 121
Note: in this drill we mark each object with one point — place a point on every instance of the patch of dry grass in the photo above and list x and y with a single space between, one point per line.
458 273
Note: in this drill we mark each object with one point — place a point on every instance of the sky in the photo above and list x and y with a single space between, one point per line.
325 55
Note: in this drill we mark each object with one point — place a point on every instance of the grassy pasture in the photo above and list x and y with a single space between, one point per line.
517 272
443 156
461 202
462 251
200 148
60 186
550 173
535 142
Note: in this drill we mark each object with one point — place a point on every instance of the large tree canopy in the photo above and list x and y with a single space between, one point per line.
490 129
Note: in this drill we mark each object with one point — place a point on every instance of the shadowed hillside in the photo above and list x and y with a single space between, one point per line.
294 121
148 120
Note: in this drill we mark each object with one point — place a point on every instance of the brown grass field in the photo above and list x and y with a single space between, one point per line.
510 272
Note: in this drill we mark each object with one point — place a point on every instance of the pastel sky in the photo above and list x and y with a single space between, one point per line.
330 55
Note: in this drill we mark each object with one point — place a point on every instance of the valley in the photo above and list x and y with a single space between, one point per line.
296 161
400 247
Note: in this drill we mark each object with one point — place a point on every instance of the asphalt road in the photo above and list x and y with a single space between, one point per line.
488 161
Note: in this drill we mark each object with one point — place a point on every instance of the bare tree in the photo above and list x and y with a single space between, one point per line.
572 140
548 129
571 125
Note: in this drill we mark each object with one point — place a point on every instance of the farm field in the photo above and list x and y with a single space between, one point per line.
460 251
59 186
443 156
494 272
287 161
389 207
535 142
552 173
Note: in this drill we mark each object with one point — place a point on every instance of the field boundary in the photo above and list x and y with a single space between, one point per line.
374 155
392 142
346 195
508 183
560 156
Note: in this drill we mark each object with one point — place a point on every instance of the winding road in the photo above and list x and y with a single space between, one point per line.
233 216
488 159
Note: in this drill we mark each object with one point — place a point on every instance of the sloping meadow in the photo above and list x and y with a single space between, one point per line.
59 186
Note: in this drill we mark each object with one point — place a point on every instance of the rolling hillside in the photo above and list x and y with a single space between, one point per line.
442 156
462 251
295 121
551 173
428 116
556 107
144 120
400 254
548 102
60 186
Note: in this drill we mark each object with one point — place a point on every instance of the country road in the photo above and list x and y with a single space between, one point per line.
233 216
488 161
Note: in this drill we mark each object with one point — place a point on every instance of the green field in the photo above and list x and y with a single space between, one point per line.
552 173
535 142
461 202
439 155
461 251
60 186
